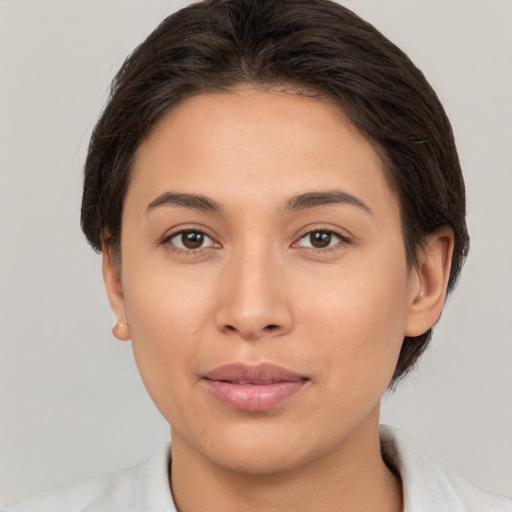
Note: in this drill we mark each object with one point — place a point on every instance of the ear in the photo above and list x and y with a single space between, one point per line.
112 280
429 281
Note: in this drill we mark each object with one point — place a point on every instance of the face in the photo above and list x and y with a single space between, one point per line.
264 278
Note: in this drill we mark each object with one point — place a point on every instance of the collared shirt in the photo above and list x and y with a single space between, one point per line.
427 487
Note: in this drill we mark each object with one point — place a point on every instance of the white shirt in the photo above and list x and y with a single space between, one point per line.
427 486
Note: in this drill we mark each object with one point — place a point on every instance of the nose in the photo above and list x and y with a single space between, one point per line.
255 302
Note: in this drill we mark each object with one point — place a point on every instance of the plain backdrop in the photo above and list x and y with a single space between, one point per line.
71 402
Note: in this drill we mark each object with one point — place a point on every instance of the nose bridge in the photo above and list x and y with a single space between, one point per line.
255 302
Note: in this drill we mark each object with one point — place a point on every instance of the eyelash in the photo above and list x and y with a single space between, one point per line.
166 242
343 240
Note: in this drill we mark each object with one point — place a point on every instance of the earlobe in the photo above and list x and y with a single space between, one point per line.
112 280
430 282
121 331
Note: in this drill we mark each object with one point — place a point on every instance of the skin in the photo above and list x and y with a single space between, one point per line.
257 290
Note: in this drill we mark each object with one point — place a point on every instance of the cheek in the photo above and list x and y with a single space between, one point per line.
161 313
358 322
168 316
165 302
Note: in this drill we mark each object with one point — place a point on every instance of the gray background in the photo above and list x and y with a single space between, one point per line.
71 402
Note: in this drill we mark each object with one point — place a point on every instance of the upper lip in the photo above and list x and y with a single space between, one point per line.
264 373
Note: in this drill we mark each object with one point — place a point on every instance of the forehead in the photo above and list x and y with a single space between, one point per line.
249 143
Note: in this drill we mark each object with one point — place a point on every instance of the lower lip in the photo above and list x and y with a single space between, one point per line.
254 397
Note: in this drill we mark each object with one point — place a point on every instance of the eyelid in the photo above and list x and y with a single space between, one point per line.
165 240
180 228
343 237
182 232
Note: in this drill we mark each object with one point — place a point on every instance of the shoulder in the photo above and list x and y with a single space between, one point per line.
427 486
141 487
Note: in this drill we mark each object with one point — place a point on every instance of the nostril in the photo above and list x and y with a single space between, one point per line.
271 327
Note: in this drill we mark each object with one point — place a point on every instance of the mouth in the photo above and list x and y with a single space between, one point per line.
253 388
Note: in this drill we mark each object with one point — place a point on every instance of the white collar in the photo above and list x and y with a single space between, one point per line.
426 485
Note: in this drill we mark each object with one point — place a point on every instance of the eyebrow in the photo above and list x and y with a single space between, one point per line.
296 203
194 201
314 199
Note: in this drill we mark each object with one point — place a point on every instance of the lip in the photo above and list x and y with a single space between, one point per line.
253 388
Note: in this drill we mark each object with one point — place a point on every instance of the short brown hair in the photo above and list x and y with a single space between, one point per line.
314 45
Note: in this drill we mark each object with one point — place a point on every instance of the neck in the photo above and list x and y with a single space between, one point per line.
352 477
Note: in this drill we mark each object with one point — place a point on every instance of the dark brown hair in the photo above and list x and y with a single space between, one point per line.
309 45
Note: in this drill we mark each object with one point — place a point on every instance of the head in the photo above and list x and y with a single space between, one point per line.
313 48
273 182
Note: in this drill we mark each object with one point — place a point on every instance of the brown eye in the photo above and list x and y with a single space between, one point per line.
190 240
320 239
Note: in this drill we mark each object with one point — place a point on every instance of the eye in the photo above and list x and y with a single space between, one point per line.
320 239
190 240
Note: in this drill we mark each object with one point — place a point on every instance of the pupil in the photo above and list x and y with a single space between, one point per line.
192 239
320 239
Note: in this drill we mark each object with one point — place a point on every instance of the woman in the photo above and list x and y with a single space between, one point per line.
277 197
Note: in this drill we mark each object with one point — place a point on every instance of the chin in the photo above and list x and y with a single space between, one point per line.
262 447
258 459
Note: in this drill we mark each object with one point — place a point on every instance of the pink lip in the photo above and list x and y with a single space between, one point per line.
253 388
